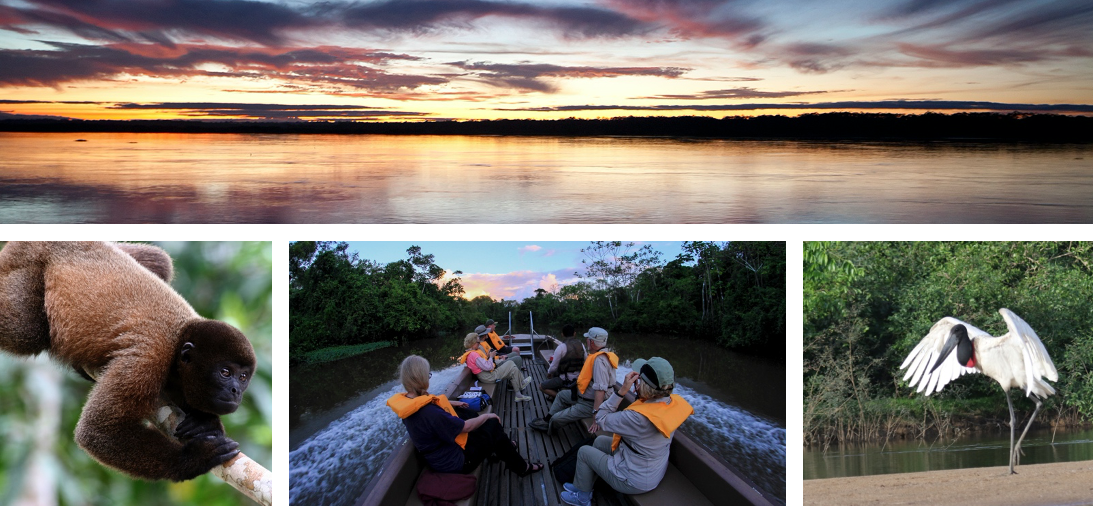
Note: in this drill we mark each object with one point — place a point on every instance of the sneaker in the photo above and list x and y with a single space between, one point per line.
539 424
577 498
527 380
522 398
569 487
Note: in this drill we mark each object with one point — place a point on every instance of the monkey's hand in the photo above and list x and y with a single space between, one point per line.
202 453
199 423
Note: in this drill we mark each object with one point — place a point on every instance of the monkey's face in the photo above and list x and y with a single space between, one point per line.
215 366
225 384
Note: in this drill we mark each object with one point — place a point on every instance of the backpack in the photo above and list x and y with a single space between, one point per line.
476 400
565 467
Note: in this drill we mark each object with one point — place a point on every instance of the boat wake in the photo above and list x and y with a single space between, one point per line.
333 467
753 445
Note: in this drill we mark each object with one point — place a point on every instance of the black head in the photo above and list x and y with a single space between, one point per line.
215 364
965 352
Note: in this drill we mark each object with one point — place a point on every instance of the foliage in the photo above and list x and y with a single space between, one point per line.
337 299
340 352
732 293
867 304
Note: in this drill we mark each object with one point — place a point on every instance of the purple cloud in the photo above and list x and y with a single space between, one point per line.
528 76
850 105
733 93
420 15
74 62
271 111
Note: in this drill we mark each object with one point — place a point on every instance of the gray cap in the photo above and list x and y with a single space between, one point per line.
656 371
597 335
490 322
481 330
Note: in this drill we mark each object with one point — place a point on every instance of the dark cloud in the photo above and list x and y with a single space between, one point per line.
741 93
695 18
991 32
271 111
528 76
917 7
815 57
7 115
262 22
1061 22
419 15
269 23
938 56
848 106
73 62
67 102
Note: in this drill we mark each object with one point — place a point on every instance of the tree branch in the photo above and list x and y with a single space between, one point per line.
241 472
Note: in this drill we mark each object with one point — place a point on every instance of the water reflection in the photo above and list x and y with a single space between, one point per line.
229 178
984 450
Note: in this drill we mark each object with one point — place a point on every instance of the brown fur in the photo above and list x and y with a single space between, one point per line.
107 310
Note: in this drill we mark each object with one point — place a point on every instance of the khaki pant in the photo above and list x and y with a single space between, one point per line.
564 411
504 371
592 462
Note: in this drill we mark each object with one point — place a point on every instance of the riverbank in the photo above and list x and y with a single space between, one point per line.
832 126
1067 483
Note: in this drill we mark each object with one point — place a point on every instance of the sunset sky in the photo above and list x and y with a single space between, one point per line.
467 59
502 270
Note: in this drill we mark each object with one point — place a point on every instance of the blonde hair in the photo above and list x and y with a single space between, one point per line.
470 342
647 392
414 373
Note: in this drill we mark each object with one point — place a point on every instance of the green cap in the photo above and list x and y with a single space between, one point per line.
656 371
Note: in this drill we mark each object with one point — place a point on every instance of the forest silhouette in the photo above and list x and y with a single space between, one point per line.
826 126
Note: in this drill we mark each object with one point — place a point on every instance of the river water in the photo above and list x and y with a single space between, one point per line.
978 450
235 178
341 430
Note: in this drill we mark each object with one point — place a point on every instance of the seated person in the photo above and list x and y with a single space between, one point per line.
644 429
449 443
594 384
565 365
487 335
482 365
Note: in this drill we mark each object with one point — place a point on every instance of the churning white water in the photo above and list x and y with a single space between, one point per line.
333 466
753 445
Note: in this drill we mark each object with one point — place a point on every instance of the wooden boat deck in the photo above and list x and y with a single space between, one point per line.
694 476
499 487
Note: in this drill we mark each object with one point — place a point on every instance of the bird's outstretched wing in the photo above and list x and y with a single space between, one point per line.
1037 362
922 358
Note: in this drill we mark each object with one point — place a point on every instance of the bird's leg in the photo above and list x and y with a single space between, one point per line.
1012 423
1017 449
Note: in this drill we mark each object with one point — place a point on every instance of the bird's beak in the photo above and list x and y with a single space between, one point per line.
946 350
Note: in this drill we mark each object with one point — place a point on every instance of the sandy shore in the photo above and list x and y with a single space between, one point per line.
1067 483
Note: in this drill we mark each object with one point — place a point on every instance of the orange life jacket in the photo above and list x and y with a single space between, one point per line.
471 363
496 340
404 406
666 417
585 378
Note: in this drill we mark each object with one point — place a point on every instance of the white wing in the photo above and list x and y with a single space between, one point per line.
926 353
1036 360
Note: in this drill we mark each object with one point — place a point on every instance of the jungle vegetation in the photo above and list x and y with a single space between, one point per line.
732 293
867 304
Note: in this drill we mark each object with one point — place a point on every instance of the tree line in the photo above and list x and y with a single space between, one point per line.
732 293
980 126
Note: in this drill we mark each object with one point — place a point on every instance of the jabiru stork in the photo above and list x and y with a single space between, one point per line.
1016 359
